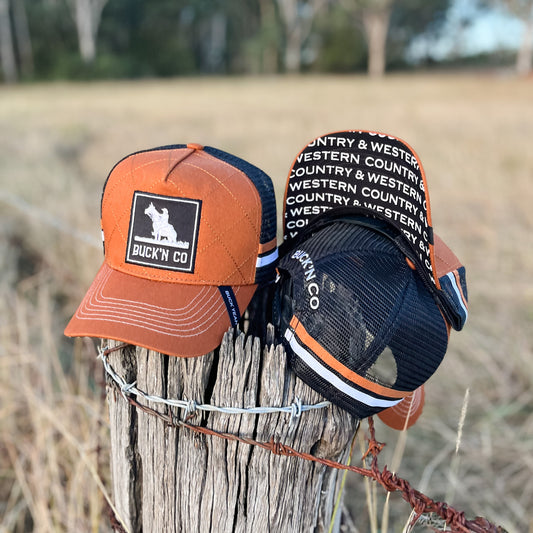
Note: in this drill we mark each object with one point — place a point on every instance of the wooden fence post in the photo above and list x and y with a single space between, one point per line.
171 479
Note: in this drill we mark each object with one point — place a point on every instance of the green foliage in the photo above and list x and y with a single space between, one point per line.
412 18
143 38
262 51
342 44
53 38
151 38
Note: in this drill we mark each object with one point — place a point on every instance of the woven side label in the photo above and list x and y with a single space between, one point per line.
231 304
163 232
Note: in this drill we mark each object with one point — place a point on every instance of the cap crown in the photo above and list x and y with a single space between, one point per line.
185 214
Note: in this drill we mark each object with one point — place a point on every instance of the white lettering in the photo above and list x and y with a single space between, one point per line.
395 151
331 140
391 166
180 257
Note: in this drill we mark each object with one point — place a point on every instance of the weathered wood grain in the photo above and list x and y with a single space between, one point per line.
125 461
168 479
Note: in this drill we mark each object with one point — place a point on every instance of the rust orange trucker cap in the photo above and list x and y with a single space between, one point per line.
189 233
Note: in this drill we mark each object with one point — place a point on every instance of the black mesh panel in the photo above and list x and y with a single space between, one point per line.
370 303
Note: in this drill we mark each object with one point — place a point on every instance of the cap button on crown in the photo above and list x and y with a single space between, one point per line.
195 146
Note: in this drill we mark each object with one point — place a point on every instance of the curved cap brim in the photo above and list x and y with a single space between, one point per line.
174 319
404 414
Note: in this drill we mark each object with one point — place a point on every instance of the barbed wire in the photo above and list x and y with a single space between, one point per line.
45 217
420 503
295 410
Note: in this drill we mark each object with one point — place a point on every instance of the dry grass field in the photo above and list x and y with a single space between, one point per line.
474 135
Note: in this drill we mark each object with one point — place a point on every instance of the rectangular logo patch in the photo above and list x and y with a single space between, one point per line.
163 231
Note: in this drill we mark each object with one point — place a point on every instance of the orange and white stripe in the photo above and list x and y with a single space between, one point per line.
325 365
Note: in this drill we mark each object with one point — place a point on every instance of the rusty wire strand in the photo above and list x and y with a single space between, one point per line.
419 502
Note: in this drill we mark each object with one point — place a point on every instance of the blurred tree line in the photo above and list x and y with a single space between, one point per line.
85 39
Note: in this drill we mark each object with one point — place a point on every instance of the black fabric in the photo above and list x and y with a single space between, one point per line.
232 306
454 314
368 172
321 385
374 176
370 303
264 187
457 312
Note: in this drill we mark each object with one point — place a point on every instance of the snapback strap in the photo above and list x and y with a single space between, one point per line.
453 291
452 279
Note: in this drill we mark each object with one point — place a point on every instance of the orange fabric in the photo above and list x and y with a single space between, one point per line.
226 251
404 414
329 360
410 263
445 260
175 311
267 246
179 320
195 146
